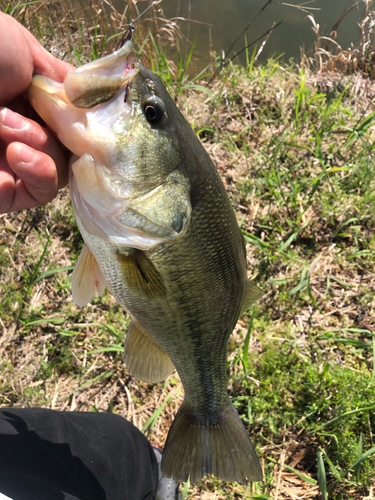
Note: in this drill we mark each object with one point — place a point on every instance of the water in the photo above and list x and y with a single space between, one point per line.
227 19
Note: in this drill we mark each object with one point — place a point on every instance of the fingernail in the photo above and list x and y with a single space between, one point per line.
11 119
25 154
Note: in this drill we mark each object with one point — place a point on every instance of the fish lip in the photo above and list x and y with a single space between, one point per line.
101 66
51 100
100 80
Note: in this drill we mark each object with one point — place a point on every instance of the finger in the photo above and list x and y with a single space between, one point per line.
16 128
46 64
21 57
14 194
7 186
37 173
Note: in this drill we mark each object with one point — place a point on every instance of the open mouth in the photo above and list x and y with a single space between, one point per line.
91 84
86 112
100 80
70 108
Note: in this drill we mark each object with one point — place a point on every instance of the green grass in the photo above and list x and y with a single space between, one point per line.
296 153
306 162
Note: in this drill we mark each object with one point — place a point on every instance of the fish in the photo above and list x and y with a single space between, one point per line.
160 233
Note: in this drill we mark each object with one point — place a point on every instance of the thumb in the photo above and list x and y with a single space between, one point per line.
21 57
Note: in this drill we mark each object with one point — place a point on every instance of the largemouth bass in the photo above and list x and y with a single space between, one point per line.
160 233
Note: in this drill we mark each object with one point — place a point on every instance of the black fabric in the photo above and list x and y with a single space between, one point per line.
50 455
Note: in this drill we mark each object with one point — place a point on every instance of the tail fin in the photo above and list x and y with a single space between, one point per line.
224 448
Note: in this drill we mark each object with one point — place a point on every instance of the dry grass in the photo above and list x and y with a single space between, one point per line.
78 32
327 56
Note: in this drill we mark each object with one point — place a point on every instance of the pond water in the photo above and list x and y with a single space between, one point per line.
228 18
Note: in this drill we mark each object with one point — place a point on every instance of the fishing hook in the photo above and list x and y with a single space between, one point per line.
129 33
127 36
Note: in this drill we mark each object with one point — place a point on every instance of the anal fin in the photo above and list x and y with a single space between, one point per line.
87 278
252 295
144 359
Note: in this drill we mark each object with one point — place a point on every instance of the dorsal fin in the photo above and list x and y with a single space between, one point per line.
141 275
144 359
87 278
252 295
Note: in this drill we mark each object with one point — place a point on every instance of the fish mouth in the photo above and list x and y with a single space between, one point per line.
100 80
92 83
65 107
85 111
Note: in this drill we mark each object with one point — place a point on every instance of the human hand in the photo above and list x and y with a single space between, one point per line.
33 165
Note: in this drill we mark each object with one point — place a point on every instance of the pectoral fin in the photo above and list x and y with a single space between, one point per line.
252 295
144 358
141 275
87 278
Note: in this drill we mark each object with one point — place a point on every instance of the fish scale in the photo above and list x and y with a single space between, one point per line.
161 235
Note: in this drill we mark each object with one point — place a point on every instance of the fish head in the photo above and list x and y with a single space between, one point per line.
116 117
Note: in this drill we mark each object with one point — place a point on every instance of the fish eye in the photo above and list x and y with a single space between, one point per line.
154 110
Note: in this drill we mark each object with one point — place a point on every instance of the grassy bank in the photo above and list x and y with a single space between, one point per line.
295 150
